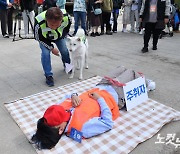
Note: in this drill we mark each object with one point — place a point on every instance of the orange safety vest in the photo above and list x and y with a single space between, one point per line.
89 108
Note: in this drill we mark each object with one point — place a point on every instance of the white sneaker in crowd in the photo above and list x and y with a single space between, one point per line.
141 32
125 31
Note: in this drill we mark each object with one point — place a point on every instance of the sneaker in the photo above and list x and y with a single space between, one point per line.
97 34
102 33
144 49
93 34
6 36
114 31
141 32
109 33
154 48
49 81
125 31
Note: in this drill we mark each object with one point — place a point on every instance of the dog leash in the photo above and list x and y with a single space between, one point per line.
114 82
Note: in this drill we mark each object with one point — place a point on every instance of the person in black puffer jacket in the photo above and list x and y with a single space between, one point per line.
155 14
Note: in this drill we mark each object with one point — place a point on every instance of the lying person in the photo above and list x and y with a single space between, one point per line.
92 113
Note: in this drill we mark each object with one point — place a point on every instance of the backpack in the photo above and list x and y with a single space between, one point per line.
49 3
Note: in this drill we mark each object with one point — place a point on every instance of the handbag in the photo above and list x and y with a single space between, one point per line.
97 11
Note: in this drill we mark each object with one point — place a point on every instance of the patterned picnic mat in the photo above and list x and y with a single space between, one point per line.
131 128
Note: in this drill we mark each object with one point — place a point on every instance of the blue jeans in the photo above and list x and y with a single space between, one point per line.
46 58
79 16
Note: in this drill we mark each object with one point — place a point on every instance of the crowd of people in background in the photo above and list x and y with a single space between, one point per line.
85 13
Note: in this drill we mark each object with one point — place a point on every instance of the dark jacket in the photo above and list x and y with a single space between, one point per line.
3 4
117 4
161 8
27 5
49 3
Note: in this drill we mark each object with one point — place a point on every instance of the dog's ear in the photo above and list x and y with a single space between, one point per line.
78 39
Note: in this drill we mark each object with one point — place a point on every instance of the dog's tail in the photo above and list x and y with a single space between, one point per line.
80 33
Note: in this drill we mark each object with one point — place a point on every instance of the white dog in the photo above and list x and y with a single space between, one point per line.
78 48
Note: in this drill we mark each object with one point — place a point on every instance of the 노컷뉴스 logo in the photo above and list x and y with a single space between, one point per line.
168 139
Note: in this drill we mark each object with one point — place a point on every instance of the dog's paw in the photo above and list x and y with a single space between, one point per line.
71 76
80 78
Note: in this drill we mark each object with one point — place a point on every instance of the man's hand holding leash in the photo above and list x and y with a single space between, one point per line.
55 51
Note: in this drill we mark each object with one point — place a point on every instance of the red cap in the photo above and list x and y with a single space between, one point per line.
55 115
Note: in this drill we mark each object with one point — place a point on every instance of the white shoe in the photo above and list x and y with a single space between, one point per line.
125 31
141 32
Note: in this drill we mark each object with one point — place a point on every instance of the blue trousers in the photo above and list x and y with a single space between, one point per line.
46 57
79 17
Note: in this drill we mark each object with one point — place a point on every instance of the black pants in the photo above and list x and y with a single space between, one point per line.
106 20
115 17
6 21
150 28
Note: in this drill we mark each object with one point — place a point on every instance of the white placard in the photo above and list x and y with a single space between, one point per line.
135 92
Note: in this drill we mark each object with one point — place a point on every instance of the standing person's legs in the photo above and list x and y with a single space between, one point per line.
115 16
31 16
156 33
83 21
46 60
10 21
88 21
92 17
61 44
25 20
107 22
96 31
46 64
102 22
147 36
76 21
124 28
132 14
28 18
137 20
3 17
